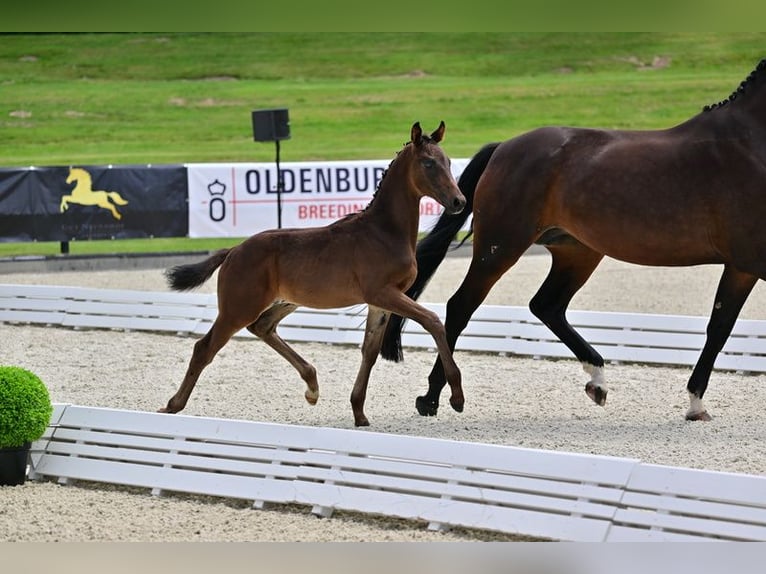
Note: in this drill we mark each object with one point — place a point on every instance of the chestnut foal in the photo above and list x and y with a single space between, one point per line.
366 257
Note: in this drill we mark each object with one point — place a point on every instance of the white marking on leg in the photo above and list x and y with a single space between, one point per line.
696 406
596 375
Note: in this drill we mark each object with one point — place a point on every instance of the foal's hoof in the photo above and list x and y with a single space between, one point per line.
426 407
361 421
700 416
597 394
311 396
457 405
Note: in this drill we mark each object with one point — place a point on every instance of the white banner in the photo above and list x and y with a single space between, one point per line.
240 199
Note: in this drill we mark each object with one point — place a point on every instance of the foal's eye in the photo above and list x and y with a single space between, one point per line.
428 163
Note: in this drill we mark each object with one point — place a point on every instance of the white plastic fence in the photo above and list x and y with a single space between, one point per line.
619 337
555 495
537 493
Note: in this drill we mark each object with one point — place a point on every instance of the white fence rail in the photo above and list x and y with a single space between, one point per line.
555 495
619 337
537 493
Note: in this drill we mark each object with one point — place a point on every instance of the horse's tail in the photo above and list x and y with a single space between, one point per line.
186 277
432 249
116 198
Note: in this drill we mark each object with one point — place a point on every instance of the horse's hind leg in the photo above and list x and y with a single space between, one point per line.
265 327
573 263
204 351
106 204
373 338
733 290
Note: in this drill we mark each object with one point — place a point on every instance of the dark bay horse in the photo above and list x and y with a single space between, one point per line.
367 257
692 194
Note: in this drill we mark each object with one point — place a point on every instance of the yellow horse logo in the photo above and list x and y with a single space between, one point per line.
84 194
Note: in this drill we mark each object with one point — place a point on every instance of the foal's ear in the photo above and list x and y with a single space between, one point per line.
416 134
438 135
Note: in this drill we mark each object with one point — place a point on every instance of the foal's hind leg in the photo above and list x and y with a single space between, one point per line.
733 290
204 351
373 338
266 329
573 263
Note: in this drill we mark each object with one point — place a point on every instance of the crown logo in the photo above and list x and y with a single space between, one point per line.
216 188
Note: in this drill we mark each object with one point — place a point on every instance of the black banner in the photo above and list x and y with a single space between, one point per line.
93 202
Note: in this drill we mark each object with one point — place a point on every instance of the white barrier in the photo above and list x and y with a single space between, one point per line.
619 337
560 496
537 493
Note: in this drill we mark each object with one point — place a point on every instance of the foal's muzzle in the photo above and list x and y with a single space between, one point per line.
456 205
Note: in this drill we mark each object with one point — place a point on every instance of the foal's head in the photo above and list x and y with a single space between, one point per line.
429 169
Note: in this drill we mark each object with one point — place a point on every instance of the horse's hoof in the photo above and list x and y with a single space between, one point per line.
361 421
700 416
597 394
457 405
311 396
425 407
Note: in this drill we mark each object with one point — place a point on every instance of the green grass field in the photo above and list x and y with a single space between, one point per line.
175 98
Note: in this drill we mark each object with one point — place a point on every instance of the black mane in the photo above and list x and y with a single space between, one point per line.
741 89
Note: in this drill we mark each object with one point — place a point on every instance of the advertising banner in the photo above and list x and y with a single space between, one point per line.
93 202
238 200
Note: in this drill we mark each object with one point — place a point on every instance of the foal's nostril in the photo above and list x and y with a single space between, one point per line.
458 204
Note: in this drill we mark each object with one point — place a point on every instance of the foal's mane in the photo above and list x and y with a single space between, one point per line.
425 138
741 89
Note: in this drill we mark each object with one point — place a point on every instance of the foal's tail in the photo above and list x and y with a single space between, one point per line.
186 277
432 249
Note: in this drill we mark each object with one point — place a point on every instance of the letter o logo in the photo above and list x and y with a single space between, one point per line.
217 209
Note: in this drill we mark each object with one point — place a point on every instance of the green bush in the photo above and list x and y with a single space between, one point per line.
25 407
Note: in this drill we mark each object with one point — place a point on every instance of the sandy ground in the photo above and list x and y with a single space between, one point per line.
513 401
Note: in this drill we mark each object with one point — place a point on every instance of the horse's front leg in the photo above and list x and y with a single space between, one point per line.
64 204
373 338
733 290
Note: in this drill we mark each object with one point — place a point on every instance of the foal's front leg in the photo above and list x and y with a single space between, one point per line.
399 303
373 338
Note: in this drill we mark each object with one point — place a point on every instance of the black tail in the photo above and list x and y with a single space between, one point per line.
186 277
432 249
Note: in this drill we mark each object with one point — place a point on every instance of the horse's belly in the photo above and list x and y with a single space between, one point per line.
643 234
321 296
669 253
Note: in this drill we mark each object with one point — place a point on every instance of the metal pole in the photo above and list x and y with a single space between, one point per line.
280 184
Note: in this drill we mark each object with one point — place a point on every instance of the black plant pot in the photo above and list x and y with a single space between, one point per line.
13 465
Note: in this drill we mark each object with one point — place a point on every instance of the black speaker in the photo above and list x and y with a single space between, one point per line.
271 125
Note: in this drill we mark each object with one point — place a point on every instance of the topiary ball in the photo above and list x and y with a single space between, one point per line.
25 407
